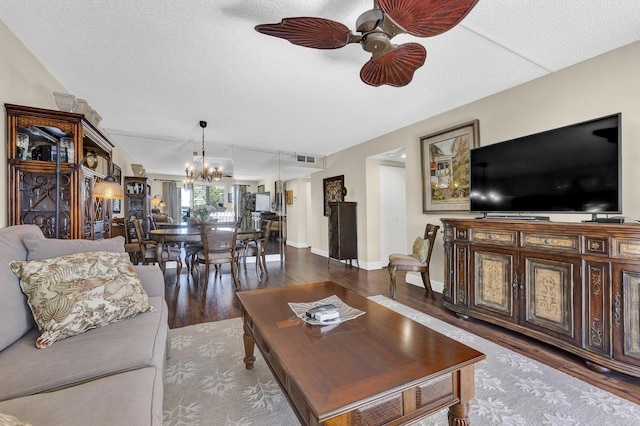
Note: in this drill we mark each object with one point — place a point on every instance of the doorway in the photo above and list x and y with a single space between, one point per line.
393 211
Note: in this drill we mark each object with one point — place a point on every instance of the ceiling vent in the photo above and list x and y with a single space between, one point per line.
307 159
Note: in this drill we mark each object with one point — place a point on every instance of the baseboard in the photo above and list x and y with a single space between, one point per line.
297 245
319 252
368 266
415 279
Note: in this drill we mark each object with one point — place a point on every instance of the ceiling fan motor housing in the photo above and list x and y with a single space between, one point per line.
369 20
375 42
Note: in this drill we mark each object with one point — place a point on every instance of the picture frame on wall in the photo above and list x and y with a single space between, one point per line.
445 167
289 196
117 173
334 190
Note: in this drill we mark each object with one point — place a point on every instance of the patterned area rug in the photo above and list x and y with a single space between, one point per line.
206 383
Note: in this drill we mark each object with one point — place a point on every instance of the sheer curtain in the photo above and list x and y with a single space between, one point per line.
170 197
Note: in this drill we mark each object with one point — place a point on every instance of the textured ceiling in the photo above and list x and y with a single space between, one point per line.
154 68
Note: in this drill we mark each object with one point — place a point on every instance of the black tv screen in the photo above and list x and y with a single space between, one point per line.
572 169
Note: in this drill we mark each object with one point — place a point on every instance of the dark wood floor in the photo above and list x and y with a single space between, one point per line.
189 303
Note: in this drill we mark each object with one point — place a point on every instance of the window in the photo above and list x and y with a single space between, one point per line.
212 195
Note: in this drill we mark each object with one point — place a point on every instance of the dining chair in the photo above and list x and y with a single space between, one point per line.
119 229
219 247
152 222
418 261
258 248
149 251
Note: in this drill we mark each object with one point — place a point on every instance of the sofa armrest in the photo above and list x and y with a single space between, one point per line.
151 278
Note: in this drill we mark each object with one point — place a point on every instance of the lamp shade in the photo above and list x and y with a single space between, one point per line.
108 189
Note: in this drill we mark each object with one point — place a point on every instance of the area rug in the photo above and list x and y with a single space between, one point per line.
206 383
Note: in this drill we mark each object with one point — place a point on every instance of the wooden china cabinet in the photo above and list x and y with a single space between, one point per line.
54 191
572 285
137 200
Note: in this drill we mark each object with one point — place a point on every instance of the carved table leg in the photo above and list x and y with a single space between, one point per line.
459 415
249 346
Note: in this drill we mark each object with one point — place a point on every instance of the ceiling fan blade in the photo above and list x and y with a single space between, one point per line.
427 18
317 33
396 67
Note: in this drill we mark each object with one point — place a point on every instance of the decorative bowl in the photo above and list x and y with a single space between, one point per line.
65 101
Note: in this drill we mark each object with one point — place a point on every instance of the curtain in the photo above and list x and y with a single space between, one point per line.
170 197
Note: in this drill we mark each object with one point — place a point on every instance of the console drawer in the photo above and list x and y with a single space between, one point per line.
570 243
596 245
626 248
506 238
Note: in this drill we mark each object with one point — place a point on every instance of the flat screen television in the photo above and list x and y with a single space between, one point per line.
572 169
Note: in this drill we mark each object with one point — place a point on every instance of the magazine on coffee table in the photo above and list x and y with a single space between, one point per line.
345 311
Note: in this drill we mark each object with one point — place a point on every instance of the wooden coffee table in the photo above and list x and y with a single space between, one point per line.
379 368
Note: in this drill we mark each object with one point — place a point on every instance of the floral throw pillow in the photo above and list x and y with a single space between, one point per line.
9 420
71 294
420 249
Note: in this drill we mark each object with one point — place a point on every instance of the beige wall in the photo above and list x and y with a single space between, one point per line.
25 81
604 85
601 86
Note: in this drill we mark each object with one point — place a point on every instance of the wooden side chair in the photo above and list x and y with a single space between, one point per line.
149 251
418 261
119 228
219 247
258 248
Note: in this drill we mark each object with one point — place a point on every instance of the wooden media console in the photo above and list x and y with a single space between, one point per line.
572 285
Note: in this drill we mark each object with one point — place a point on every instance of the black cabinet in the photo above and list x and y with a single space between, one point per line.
343 231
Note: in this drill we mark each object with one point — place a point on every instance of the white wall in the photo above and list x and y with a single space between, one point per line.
393 213
297 214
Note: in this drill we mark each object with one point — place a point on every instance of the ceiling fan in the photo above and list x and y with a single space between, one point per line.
390 64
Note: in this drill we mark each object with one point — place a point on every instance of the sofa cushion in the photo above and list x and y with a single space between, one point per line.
43 248
137 342
420 249
15 316
74 293
131 398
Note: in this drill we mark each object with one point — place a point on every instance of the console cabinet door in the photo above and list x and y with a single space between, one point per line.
550 288
492 283
626 313
459 291
597 296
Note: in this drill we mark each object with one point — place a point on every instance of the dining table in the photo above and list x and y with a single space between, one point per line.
165 225
190 234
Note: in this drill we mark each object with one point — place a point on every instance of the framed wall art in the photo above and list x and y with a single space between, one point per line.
445 167
117 174
334 190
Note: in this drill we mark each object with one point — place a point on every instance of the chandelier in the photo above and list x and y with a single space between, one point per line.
200 169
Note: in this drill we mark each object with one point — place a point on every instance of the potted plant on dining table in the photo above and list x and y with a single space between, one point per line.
202 212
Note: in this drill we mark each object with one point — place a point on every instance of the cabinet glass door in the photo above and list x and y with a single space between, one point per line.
41 142
38 194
